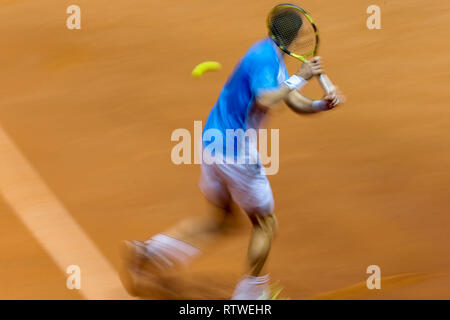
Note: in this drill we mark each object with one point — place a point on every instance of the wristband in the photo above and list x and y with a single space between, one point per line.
319 105
295 82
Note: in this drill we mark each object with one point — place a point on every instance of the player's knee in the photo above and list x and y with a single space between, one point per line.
271 224
264 210
267 224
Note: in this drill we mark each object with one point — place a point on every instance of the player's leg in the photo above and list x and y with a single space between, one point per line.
183 242
254 283
146 262
264 229
201 231
195 233
251 190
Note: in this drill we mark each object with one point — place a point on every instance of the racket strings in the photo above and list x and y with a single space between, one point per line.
291 29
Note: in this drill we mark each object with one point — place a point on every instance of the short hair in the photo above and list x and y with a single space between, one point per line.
285 26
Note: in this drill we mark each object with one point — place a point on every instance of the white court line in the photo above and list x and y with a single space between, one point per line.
52 225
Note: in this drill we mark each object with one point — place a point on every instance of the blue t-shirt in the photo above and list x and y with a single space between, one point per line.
261 69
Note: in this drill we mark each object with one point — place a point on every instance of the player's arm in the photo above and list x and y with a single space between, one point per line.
271 96
303 105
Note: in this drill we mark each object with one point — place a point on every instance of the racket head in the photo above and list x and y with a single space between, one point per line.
294 31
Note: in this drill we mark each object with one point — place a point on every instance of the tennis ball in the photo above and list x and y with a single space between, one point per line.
203 67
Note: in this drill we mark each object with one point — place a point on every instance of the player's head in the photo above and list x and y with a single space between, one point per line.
285 26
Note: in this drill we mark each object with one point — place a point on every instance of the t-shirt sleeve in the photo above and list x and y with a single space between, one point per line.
263 77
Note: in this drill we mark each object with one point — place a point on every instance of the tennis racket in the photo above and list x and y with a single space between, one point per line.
294 31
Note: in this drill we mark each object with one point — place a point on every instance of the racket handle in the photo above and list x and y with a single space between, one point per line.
326 83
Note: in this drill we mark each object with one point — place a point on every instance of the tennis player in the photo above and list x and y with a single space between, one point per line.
234 173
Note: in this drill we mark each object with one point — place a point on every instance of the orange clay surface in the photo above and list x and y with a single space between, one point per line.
366 184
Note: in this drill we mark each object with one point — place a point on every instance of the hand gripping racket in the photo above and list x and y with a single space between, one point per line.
294 32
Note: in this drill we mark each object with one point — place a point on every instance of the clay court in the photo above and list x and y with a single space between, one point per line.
86 118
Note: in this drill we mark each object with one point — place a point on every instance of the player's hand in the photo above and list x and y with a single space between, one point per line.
334 99
310 69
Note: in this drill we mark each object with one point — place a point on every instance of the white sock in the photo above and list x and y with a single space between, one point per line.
252 288
170 250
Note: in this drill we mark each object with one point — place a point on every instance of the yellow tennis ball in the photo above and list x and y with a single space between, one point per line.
203 67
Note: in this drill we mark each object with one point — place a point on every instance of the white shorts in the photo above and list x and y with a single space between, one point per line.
245 184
